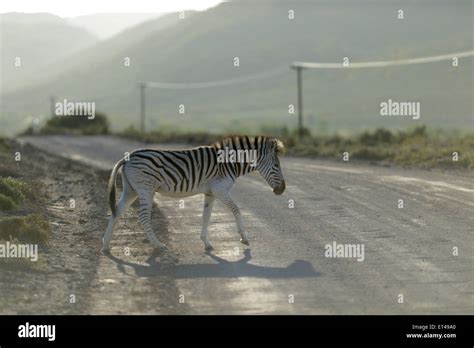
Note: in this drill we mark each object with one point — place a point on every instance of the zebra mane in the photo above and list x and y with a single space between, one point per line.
279 146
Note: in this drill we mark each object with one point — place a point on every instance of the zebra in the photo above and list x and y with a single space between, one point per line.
184 173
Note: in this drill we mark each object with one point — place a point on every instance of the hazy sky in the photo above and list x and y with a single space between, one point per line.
72 8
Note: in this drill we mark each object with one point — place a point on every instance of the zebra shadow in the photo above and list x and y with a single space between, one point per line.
163 264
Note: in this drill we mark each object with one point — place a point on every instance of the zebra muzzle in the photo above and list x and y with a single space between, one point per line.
279 189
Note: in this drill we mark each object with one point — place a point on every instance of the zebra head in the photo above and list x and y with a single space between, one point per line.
268 164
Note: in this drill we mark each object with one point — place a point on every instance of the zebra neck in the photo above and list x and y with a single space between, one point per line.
235 161
235 170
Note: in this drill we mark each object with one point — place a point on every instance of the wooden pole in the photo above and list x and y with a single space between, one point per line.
299 81
142 107
53 106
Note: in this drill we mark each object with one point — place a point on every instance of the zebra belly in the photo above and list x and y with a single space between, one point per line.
173 194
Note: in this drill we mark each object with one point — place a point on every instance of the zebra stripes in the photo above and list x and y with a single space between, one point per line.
209 170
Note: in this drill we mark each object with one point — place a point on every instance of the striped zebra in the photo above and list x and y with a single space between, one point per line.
209 170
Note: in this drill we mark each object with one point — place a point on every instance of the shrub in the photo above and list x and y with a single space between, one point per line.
31 228
80 125
4 145
7 203
380 135
15 189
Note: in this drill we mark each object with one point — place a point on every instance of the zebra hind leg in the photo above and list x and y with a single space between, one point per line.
126 199
144 215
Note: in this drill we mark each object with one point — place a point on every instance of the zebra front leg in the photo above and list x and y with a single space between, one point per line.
144 215
224 197
206 215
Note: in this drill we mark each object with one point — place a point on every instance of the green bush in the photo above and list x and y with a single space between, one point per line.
80 125
31 228
7 203
13 190
379 136
4 147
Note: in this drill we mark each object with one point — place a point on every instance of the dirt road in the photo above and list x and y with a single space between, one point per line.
417 259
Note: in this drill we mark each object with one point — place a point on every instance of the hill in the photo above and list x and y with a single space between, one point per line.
202 48
38 39
106 25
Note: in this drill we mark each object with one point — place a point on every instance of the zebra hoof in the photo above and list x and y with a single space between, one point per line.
105 249
209 247
160 247
245 241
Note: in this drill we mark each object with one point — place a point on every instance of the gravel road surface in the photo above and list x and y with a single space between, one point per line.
417 259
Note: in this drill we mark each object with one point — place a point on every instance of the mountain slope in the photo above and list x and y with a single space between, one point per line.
202 48
37 39
106 25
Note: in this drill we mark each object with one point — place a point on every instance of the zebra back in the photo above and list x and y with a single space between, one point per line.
185 170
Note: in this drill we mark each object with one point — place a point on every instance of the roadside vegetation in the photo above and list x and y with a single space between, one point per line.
416 147
22 215
74 125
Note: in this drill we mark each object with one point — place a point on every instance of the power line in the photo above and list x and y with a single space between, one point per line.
299 66
220 83
380 64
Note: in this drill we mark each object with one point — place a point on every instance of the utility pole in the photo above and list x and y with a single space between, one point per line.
299 86
53 106
300 100
142 87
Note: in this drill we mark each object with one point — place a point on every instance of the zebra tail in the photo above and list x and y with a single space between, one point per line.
112 183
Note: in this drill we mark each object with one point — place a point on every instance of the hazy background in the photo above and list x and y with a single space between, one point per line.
81 58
